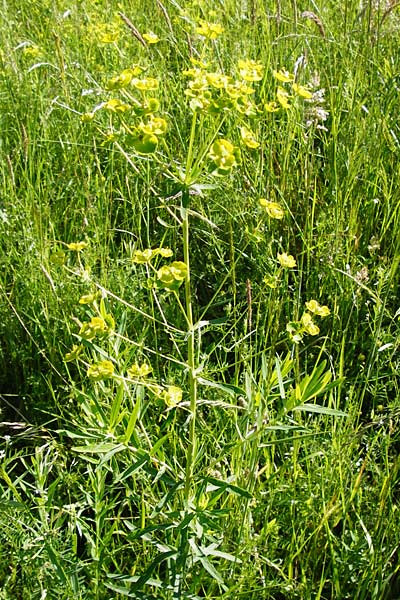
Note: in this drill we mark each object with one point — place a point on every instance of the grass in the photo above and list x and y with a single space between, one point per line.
176 422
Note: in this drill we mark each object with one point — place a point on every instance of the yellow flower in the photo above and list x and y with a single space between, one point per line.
142 257
32 51
101 370
151 38
154 126
87 299
314 307
122 80
87 117
172 396
283 76
271 107
273 209
302 91
74 354
77 246
172 276
309 325
270 281
248 138
145 84
116 105
165 252
139 372
97 327
286 260
250 70
209 30
282 97
224 155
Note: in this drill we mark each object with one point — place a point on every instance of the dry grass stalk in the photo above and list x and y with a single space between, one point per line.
166 15
133 29
308 14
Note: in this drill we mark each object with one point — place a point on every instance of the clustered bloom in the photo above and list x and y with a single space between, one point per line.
89 298
172 396
97 327
283 96
215 92
224 155
287 261
171 277
100 371
106 33
151 38
142 257
209 30
139 371
140 127
273 209
306 325
248 138
74 353
250 70
31 51
77 246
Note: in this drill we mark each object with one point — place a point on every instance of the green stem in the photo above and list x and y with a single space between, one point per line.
191 361
189 159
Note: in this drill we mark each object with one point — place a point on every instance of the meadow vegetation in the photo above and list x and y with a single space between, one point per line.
199 300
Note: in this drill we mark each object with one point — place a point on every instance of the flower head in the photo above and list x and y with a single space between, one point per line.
248 138
74 353
209 30
151 38
172 396
283 76
273 209
302 91
314 307
100 370
115 105
172 276
282 96
308 324
224 155
250 70
139 371
287 261
142 257
77 246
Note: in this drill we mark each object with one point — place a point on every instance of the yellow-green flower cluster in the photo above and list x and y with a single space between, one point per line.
106 33
137 110
101 370
214 92
143 257
172 396
171 277
224 155
137 371
209 30
97 327
273 209
306 325
77 246
151 37
286 91
287 261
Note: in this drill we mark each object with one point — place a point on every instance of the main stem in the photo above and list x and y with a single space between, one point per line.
191 365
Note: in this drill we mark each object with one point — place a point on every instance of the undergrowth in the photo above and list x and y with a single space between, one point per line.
199 300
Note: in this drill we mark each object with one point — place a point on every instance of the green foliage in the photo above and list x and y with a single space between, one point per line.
199 300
